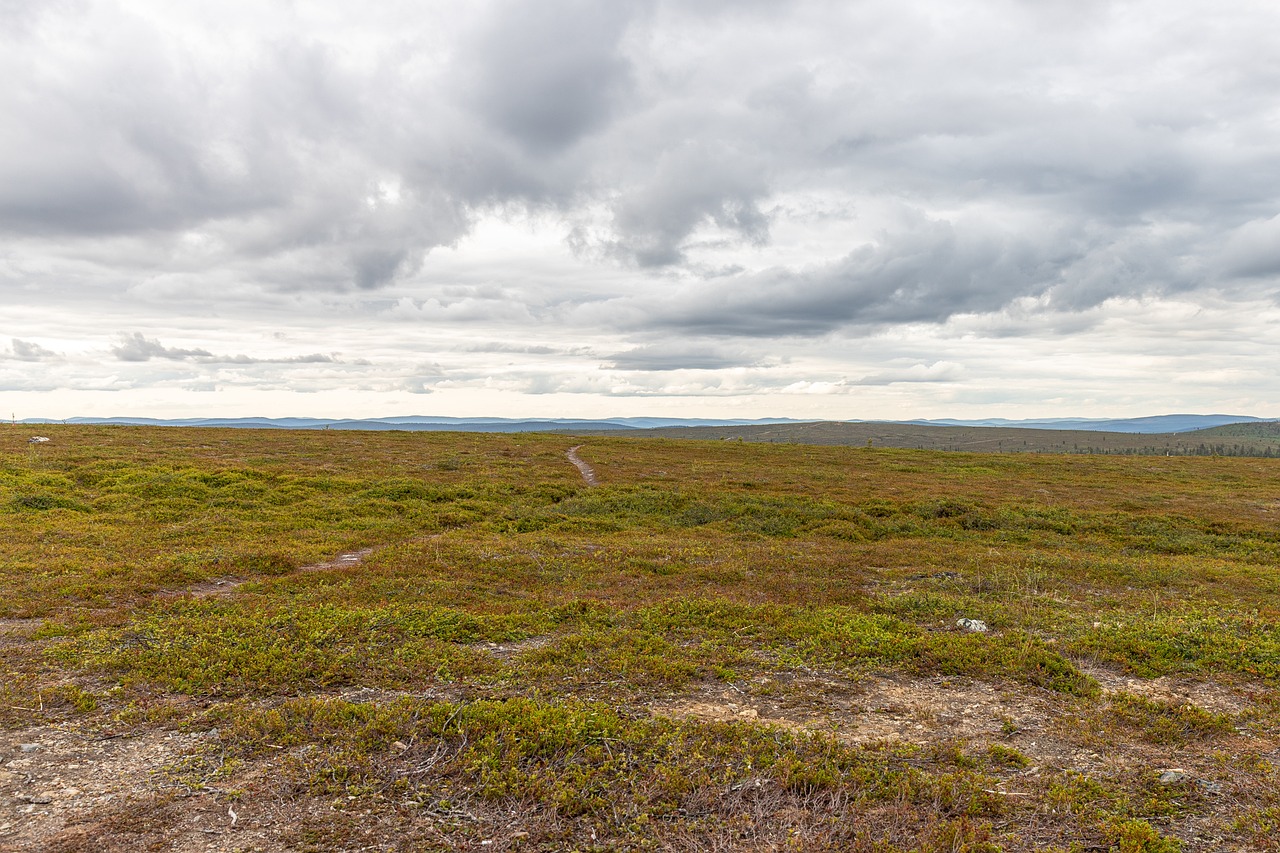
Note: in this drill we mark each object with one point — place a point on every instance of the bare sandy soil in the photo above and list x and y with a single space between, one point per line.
72 788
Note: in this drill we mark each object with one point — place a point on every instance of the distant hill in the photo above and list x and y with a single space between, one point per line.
1259 429
1264 441
1155 425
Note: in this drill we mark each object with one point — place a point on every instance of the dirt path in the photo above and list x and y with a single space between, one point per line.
588 473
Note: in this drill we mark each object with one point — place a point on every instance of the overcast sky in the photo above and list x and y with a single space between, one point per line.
640 207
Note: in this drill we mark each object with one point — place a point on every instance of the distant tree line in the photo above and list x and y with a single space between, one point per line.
1202 449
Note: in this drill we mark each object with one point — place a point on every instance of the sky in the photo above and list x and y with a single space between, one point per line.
684 208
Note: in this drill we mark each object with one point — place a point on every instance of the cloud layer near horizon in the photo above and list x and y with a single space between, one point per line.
925 205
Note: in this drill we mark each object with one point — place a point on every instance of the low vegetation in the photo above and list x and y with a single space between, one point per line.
410 641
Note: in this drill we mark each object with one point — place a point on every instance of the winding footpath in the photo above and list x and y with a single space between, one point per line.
588 474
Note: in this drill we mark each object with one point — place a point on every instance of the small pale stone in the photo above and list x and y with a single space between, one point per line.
976 626
28 747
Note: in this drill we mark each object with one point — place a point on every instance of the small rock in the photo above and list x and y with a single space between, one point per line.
1209 786
1173 776
976 626
28 747
38 799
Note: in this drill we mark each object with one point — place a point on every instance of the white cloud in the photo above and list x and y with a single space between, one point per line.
881 209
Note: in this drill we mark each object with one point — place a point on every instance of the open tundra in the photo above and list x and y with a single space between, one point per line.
284 640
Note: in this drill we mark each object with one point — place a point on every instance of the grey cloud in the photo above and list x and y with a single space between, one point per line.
926 274
680 117
465 310
724 169
312 358
548 73
1253 249
376 267
27 351
423 377
677 357
274 156
305 91
691 185
526 349
135 347
116 134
